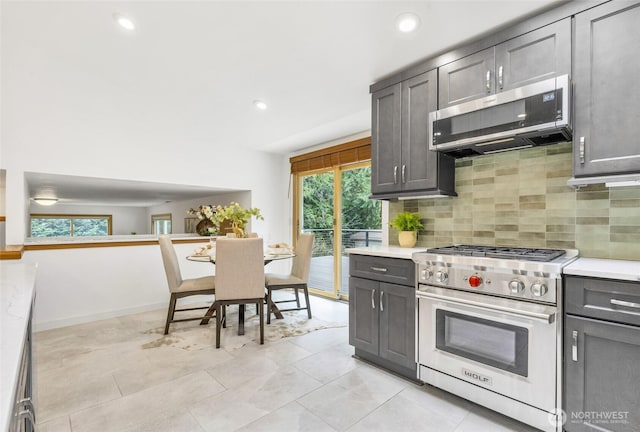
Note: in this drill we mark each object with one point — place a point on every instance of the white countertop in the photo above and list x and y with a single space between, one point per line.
386 251
605 268
17 283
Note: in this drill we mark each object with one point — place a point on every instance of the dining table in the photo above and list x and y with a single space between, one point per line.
268 258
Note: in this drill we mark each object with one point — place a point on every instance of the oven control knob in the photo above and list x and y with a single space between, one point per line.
426 274
441 276
539 289
475 281
516 286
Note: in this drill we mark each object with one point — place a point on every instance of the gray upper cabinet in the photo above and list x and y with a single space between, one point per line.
534 56
607 90
466 79
401 160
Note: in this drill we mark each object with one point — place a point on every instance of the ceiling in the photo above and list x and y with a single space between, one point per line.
191 70
76 190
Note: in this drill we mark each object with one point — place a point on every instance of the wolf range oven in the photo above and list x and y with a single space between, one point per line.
489 327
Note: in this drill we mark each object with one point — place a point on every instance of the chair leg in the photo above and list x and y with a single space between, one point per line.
224 316
218 319
306 298
269 305
261 313
297 297
170 312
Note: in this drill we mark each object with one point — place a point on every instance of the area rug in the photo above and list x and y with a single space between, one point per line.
191 335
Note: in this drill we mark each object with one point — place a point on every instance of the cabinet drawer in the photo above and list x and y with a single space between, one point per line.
393 270
603 298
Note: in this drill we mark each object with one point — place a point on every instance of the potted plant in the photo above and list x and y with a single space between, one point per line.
234 213
407 224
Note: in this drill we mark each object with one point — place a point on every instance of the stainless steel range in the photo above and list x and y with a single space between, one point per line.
489 327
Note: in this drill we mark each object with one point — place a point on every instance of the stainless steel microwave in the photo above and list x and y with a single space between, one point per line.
528 116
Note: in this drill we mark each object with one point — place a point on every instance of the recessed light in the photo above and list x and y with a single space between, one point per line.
124 22
261 105
46 201
407 22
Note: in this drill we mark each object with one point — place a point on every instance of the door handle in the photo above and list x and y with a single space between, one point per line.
488 81
381 305
402 174
574 346
500 80
373 301
395 174
581 150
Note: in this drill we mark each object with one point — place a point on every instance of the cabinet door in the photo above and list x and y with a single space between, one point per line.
385 140
363 314
419 165
601 376
606 89
466 79
397 324
535 56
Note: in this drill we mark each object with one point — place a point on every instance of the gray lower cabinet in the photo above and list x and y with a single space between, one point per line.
382 314
402 164
601 355
534 56
606 90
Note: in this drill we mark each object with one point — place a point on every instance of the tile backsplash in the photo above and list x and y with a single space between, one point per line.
521 198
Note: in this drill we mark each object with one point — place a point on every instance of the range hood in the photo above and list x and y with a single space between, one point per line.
533 115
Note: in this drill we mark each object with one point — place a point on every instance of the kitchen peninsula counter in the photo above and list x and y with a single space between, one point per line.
17 290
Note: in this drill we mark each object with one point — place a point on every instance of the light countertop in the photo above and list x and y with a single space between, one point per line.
605 268
17 286
386 251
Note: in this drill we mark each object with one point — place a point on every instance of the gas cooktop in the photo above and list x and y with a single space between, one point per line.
515 253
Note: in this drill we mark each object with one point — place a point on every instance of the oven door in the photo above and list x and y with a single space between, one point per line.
503 345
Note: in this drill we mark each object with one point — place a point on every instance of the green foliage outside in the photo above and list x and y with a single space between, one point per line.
56 227
358 211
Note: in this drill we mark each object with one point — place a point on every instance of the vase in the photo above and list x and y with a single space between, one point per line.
407 239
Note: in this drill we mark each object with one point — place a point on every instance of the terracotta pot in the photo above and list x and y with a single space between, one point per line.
407 238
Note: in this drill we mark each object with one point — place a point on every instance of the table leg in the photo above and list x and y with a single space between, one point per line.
241 319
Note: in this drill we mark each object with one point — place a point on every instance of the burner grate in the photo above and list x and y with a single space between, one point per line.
515 253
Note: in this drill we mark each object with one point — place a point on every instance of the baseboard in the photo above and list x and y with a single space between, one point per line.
48 325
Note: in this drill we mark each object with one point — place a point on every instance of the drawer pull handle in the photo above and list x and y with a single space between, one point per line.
373 301
379 269
574 346
625 303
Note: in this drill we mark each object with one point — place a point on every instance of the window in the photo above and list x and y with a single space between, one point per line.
161 223
70 225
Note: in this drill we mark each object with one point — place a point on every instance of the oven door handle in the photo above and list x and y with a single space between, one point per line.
548 318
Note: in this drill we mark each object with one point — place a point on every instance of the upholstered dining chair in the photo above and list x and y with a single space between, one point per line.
178 287
239 278
296 280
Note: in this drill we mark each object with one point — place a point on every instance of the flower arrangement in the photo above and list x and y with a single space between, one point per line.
234 212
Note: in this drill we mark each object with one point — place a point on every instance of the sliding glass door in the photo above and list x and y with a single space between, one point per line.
334 204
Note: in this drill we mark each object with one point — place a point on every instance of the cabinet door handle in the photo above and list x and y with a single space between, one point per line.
381 305
581 150
395 174
402 174
500 80
625 303
488 81
574 346
380 269
373 301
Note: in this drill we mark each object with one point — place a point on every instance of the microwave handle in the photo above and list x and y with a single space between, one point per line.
488 81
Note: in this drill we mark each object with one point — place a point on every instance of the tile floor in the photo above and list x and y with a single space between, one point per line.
123 375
